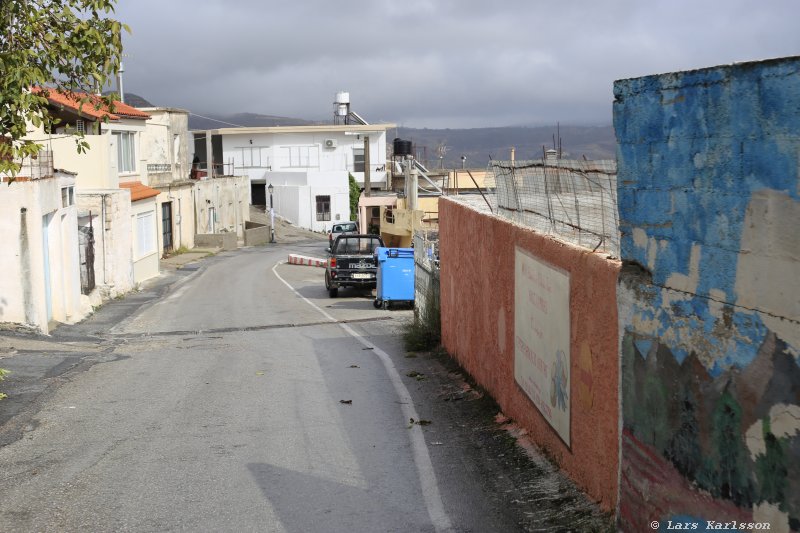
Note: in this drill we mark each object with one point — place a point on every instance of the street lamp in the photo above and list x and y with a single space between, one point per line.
270 188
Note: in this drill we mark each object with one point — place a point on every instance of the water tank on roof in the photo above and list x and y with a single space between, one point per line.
402 148
342 103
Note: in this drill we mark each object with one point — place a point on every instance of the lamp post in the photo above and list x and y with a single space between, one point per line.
270 188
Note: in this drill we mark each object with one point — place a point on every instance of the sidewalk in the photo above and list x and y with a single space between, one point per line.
176 261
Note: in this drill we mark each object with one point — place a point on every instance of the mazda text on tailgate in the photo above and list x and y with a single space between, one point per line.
352 262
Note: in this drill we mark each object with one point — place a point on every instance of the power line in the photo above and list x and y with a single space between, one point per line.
217 120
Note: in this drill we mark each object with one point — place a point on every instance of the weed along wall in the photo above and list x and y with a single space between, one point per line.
709 202
534 321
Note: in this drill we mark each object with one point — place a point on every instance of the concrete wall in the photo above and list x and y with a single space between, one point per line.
709 203
256 234
92 167
166 141
225 241
296 201
230 196
33 265
97 167
299 205
478 253
181 196
113 250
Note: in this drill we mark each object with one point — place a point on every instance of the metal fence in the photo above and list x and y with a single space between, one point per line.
426 278
573 200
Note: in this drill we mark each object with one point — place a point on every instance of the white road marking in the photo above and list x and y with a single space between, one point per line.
422 458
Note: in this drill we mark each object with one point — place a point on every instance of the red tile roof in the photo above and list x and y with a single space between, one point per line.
139 191
93 107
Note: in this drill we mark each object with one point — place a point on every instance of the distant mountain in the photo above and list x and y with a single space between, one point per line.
248 120
480 145
132 99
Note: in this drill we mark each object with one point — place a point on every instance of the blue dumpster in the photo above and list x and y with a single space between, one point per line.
395 276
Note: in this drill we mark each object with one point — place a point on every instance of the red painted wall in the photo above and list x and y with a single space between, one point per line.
477 254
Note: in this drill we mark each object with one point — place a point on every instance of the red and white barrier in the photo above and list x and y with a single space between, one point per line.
295 259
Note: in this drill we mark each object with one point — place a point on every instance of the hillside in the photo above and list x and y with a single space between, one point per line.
482 144
242 119
479 145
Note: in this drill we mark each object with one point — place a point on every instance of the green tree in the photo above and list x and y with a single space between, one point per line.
355 194
729 455
683 448
771 470
68 46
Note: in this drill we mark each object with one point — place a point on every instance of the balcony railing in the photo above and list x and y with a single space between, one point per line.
158 167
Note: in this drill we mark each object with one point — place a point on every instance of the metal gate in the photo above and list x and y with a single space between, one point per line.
166 226
86 252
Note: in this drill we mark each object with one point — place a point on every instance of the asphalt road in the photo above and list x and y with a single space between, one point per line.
241 398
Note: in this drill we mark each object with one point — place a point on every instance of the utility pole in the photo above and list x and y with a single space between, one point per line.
367 184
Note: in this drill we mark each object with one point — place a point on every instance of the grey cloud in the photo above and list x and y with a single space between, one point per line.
447 63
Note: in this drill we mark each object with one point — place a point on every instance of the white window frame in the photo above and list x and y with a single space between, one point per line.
67 196
126 151
252 156
359 160
303 156
145 234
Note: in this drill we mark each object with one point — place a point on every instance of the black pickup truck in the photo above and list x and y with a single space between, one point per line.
352 263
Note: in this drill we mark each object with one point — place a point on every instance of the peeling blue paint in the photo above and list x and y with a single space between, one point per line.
693 150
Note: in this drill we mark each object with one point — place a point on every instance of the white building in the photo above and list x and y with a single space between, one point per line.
307 165
115 161
41 284
166 143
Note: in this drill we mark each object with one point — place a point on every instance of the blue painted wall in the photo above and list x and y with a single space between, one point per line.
697 152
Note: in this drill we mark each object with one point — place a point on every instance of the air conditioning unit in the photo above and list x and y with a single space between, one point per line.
330 143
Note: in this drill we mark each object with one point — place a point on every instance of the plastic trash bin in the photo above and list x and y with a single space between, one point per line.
395 276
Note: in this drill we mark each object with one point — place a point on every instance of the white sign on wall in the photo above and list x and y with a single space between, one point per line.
541 338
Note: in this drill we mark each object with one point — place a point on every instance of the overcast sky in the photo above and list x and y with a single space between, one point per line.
434 63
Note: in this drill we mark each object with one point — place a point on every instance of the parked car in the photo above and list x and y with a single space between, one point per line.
341 229
352 262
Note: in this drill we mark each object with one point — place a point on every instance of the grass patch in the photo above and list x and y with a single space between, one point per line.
424 333
3 374
418 337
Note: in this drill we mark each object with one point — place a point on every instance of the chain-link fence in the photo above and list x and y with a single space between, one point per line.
426 283
573 200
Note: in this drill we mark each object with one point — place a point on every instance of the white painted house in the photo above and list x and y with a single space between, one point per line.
308 166
165 144
41 284
122 221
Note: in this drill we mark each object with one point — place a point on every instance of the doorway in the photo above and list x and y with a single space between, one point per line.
166 226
